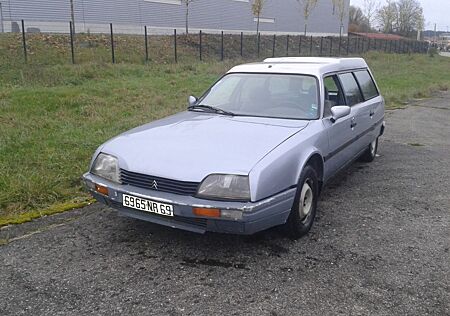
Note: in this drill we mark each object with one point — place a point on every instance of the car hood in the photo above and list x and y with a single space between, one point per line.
191 145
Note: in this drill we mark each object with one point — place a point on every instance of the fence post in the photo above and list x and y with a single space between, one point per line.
242 44
273 45
175 52
146 43
340 42
258 40
348 44
72 51
311 46
221 47
287 45
300 45
321 45
24 43
331 45
200 44
368 44
113 55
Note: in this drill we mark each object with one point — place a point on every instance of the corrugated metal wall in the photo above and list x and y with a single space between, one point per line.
204 14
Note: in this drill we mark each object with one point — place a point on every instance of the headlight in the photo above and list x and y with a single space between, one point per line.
106 166
224 186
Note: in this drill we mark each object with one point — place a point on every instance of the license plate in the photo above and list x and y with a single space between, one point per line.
147 205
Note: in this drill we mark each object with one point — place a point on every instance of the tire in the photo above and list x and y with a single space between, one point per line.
303 211
371 152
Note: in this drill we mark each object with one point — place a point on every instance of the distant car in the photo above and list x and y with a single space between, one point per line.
253 152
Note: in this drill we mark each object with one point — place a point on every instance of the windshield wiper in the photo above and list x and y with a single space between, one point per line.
211 109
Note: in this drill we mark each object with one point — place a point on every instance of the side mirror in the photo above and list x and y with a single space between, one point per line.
192 100
339 111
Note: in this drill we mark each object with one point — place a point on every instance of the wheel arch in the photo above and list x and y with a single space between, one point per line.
316 161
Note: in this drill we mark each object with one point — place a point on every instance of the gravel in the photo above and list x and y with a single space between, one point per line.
380 246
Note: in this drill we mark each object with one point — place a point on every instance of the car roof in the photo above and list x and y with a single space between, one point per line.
316 66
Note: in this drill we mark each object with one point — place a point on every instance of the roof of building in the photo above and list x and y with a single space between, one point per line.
381 36
316 66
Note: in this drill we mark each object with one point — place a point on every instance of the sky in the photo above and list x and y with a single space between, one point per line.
435 11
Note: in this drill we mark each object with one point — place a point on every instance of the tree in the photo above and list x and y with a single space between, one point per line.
370 9
340 5
410 16
358 22
187 3
257 8
387 17
403 17
307 7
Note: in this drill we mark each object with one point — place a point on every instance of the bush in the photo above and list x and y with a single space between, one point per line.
432 51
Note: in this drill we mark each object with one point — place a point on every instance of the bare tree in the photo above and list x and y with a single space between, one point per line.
307 7
387 16
341 6
370 9
403 17
410 16
257 8
187 3
358 22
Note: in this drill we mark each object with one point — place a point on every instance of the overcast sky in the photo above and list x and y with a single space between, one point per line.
435 11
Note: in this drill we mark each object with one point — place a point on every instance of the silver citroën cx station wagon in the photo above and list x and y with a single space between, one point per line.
253 152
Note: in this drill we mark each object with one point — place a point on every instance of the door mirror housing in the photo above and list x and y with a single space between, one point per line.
339 111
192 100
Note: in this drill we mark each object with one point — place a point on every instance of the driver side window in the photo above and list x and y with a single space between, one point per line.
333 94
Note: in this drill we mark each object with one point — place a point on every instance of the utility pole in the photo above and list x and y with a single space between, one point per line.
435 38
72 15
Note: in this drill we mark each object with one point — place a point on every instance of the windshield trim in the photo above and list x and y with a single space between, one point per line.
319 115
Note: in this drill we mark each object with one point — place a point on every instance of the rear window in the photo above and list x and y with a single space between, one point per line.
351 89
367 85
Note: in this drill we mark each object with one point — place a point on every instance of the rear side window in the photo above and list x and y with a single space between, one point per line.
351 89
366 83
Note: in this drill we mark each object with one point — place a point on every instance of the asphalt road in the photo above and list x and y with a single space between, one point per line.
380 246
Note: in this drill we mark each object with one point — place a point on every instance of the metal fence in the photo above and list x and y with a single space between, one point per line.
114 43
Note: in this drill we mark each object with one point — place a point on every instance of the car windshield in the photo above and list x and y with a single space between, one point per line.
266 95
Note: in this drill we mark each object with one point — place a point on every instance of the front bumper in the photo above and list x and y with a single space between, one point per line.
256 216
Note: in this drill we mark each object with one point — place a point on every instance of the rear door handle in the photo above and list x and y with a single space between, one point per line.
353 124
372 113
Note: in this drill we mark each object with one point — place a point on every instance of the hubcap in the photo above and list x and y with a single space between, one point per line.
306 201
373 146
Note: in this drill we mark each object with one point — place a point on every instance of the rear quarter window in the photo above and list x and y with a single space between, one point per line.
366 83
351 89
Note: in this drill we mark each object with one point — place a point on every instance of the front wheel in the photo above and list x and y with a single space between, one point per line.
303 211
371 152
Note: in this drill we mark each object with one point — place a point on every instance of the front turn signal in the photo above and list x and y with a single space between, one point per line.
207 212
101 189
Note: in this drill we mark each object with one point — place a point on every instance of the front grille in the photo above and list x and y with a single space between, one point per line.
158 184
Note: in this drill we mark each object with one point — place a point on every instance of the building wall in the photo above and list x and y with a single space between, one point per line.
279 16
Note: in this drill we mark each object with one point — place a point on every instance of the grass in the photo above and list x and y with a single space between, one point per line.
54 115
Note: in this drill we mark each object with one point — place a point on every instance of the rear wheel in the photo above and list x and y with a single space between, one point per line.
303 211
371 152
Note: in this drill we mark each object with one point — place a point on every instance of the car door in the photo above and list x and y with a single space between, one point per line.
360 112
341 132
373 105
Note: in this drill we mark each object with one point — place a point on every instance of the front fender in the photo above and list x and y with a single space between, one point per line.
281 168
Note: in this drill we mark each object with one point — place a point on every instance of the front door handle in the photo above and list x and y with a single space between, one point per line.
353 124
372 113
